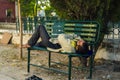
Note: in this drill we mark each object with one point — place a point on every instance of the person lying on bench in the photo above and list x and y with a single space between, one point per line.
62 45
41 32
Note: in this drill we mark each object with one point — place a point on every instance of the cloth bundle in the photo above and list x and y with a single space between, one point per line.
68 42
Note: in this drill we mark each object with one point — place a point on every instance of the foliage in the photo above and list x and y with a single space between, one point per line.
114 11
30 7
44 4
102 11
27 7
48 11
80 9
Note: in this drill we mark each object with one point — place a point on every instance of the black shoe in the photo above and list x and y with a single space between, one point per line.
34 78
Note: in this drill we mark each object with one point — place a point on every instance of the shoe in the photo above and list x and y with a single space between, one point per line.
54 50
33 78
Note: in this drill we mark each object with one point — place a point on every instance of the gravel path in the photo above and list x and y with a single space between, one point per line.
12 66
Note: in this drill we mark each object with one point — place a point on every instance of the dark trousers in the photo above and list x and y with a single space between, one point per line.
42 33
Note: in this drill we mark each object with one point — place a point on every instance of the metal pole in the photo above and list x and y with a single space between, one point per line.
20 25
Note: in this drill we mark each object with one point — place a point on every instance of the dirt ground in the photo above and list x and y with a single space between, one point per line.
11 65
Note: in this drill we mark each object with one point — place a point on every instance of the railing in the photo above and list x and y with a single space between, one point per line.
112 40
30 23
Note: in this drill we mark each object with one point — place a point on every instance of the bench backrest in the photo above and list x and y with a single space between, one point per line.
88 30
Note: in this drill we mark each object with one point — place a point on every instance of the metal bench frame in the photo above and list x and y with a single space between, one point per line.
51 26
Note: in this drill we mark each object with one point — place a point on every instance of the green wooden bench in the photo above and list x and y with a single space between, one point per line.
88 30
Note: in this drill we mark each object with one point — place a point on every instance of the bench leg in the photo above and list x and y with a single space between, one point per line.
49 60
69 67
91 67
28 64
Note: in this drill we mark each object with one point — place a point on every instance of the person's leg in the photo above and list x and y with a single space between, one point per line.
42 32
48 44
39 32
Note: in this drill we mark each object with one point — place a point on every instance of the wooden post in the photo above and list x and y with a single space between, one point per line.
21 30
